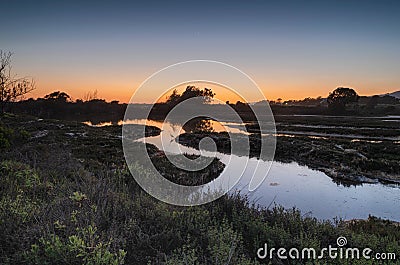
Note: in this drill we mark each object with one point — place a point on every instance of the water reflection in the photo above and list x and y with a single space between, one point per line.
199 125
292 185
288 184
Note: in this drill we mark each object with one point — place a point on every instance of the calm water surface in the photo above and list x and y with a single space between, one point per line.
292 185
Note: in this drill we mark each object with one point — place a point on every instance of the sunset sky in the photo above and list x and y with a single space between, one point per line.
292 50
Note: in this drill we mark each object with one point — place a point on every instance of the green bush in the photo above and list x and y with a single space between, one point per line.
84 247
6 137
9 136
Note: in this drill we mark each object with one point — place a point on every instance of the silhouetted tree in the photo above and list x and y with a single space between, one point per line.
173 98
11 88
241 106
58 96
91 95
340 97
190 92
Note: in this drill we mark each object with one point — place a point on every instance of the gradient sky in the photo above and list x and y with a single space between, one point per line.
291 49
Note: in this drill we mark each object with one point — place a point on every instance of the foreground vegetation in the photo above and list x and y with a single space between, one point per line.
66 197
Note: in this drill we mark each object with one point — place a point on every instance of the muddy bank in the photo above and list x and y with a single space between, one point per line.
347 127
181 176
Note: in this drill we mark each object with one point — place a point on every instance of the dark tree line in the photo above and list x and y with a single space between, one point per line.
58 105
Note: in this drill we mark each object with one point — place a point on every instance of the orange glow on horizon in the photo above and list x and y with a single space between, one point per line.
123 91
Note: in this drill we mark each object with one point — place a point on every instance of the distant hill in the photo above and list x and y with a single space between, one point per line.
393 94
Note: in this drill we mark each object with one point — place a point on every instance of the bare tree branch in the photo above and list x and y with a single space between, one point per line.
11 87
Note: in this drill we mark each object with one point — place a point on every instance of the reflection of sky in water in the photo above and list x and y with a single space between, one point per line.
289 184
313 191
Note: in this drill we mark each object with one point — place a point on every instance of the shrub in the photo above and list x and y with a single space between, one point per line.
84 247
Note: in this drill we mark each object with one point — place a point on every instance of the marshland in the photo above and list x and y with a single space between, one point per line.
68 196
